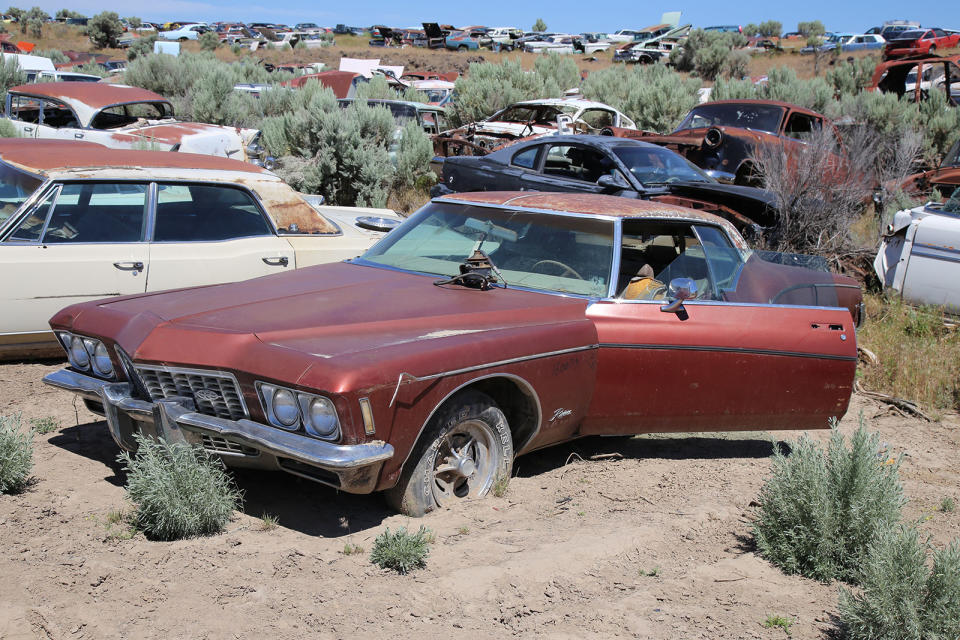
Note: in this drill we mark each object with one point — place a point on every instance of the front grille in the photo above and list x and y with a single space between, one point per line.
222 445
223 401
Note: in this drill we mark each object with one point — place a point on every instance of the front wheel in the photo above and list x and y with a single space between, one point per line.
466 448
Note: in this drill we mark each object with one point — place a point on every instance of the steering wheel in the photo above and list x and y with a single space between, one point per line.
557 263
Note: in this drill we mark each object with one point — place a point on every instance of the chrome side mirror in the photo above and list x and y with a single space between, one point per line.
680 289
614 182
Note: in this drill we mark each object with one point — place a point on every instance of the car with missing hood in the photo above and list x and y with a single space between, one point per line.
607 165
80 221
486 326
721 136
121 117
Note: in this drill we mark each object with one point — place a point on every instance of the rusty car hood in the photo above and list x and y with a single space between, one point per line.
351 318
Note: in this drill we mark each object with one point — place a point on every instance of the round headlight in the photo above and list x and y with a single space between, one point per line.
101 360
322 420
285 408
78 353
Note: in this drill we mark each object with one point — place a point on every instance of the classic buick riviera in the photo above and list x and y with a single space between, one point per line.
486 326
80 222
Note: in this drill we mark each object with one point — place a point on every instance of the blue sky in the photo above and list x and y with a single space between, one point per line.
560 15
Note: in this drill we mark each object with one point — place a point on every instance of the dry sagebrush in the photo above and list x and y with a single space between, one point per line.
179 490
16 454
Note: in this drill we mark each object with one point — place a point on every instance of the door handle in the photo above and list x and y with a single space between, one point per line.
28 129
78 135
280 261
129 266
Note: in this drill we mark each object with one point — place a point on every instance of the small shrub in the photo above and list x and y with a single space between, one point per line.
947 505
653 96
179 490
352 549
463 531
268 522
209 40
142 46
500 486
652 573
901 597
414 153
7 129
10 75
44 426
105 29
820 510
402 551
778 622
16 454
54 54
539 25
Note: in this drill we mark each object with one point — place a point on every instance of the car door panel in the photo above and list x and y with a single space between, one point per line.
189 264
727 366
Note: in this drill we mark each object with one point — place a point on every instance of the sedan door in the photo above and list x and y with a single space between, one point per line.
212 233
82 241
713 365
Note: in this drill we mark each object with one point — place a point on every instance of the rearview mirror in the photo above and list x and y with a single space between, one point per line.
680 289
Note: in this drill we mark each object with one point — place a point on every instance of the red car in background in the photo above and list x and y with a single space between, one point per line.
919 42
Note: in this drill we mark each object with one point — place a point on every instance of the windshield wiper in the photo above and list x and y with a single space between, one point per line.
476 272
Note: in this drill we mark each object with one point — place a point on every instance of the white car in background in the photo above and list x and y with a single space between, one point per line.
122 117
186 32
79 222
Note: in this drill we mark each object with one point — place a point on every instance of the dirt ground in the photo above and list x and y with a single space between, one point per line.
651 545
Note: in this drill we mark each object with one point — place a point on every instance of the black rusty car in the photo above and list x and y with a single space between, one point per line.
607 165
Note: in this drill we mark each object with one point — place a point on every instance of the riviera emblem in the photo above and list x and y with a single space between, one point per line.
560 413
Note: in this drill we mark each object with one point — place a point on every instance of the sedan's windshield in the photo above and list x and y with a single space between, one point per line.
656 165
760 117
15 187
552 252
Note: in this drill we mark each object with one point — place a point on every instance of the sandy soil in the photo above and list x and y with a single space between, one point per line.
566 553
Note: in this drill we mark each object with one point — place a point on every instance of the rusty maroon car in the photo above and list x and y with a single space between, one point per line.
486 326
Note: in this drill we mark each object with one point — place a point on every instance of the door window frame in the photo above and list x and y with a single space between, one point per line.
273 231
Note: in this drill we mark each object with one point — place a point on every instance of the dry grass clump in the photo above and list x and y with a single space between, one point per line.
919 356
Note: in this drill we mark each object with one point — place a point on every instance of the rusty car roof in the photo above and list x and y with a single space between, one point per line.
772 103
583 203
93 94
52 155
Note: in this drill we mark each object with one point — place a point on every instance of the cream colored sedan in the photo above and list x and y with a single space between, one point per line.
79 221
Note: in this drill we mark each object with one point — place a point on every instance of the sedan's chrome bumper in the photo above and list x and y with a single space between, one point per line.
352 468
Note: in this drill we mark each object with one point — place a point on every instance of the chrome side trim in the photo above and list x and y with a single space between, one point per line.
722 303
762 352
479 367
518 449
935 252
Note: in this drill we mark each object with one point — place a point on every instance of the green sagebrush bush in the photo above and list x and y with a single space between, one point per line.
379 89
7 129
209 40
901 598
706 52
55 55
105 29
10 75
401 551
489 87
414 153
16 454
178 490
822 509
653 96
340 153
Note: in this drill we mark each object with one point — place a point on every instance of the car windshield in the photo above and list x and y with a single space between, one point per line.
761 117
656 165
15 187
550 252
953 204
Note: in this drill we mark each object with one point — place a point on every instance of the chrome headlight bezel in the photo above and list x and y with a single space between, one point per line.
88 355
326 426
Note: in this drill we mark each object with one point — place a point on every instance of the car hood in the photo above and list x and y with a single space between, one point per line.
357 320
171 132
759 204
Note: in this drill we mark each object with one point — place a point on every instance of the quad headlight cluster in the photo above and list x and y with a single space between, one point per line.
294 410
87 354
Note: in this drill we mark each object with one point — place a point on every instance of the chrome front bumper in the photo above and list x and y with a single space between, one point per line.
351 468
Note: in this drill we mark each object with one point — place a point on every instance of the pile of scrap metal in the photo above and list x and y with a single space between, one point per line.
653 49
945 179
527 119
916 77
919 255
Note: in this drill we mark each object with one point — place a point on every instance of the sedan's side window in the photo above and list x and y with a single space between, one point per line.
87 212
206 213
597 118
31 227
801 125
25 109
526 158
576 162
58 115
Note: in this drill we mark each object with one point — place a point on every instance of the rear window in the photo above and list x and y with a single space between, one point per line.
907 35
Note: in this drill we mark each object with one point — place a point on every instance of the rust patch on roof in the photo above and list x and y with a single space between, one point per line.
96 95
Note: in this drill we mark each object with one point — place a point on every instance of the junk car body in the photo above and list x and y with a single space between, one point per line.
486 326
919 42
537 117
80 222
121 117
945 178
721 136
919 255
915 78
606 165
